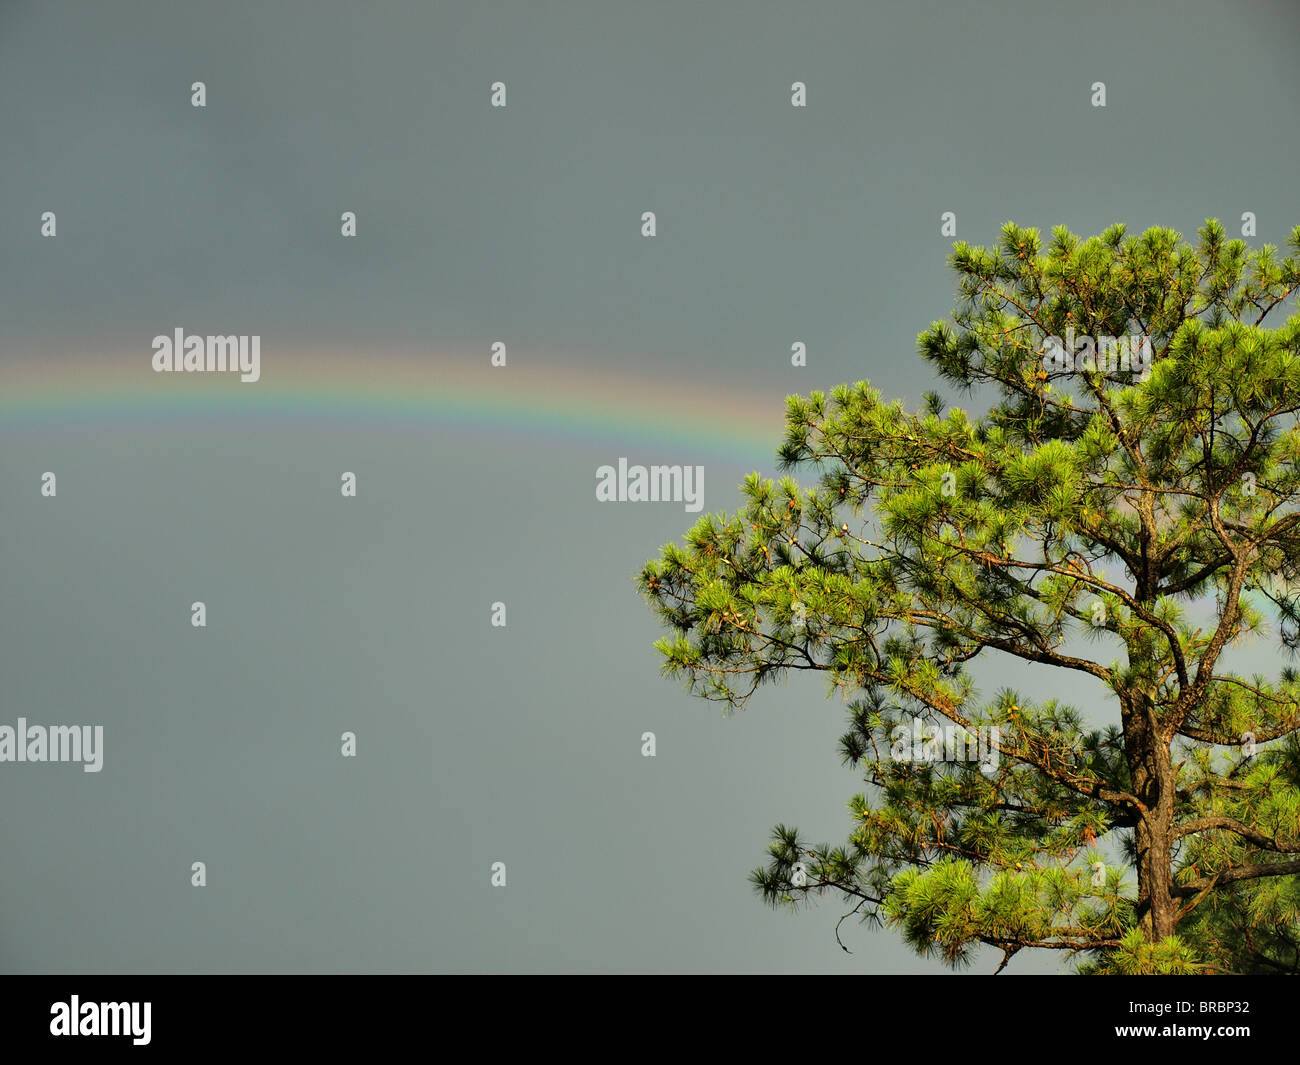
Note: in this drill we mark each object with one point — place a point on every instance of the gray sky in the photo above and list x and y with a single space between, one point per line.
478 745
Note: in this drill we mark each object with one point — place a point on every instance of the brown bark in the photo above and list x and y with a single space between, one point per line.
1151 768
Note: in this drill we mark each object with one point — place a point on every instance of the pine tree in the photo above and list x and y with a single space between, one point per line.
1129 519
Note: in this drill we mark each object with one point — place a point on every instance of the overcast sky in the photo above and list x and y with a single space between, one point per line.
478 745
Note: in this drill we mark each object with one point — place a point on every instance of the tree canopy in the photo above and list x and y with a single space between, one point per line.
1122 508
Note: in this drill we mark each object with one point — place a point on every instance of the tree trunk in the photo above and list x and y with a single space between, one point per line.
1151 768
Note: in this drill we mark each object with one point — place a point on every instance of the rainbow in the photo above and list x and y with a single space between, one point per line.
537 400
